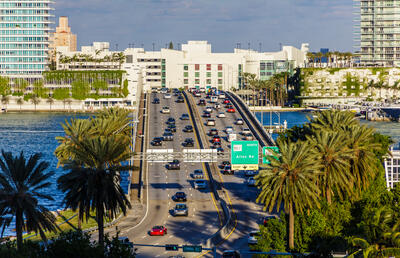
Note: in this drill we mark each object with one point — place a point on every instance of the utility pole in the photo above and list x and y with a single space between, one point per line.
153 46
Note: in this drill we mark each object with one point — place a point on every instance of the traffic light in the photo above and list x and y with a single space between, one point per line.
171 247
192 248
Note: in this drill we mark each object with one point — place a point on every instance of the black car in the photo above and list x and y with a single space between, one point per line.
157 141
156 101
179 197
213 131
220 151
185 117
206 114
202 102
225 163
167 130
171 120
188 142
228 106
180 99
188 129
172 127
174 165
168 137
228 170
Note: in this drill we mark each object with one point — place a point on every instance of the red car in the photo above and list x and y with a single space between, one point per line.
231 110
216 138
158 231
226 101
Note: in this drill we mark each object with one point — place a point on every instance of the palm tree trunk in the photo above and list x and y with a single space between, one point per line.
328 195
100 224
291 227
18 228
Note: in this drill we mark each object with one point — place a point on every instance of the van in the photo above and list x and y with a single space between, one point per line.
221 96
214 99
164 90
210 122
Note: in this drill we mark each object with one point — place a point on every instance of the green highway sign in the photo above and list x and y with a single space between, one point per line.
192 248
269 151
244 155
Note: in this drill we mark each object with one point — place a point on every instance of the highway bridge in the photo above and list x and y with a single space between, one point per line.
222 214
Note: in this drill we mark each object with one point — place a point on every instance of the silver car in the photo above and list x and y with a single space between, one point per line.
165 110
181 210
198 174
200 184
252 239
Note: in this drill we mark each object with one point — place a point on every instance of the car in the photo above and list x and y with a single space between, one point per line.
172 127
185 117
220 151
221 96
158 231
171 120
249 173
221 115
253 237
239 121
198 174
251 181
214 99
174 165
197 94
226 101
227 170
157 141
188 129
209 109
246 131
216 145
248 137
164 90
231 110
206 114
179 197
267 218
125 241
231 254
228 106
180 99
225 163
168 137
202 90
217 106
229 129
188 142
200 184
202 102
213 131
181 210
216 138
167 96
208 96
210 122
156 101
165 110
154 90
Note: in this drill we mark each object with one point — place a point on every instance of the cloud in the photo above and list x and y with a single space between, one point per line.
322 23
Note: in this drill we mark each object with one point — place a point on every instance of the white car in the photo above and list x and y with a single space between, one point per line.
167 96
239 121
210 122
165 110
248 137
200 184
251 181
221 96
246 131
209 109
229 129
252 239
221 115
197 94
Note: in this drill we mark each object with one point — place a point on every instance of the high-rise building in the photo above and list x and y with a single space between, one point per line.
378 31
63 37
24 37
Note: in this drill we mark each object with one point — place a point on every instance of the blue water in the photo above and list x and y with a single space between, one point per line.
36 132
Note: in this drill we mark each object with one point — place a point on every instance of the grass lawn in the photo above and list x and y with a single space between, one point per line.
71 224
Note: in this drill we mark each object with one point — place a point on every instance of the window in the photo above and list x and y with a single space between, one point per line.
185 67
197 74
197 81
208 74
197 67
185 74
220 67
208 67
219 74
186 81
219 81
208 81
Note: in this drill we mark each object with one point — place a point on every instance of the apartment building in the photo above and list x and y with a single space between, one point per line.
392 168
378 32
63 36
24 37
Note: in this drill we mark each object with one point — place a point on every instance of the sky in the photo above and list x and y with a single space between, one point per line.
223 23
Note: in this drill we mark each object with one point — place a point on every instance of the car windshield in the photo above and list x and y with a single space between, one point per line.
158 227
181 206
180 194
253 234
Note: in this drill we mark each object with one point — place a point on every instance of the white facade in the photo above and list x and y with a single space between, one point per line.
392 168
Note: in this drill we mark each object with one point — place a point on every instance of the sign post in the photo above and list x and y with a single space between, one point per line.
244 155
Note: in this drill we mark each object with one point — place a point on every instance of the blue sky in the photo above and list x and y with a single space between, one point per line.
322 23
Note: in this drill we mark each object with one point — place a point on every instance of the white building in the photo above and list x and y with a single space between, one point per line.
193 66
392 168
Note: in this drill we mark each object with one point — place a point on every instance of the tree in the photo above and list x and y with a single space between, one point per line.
39 90
20 101
333 155
35 101
80 89
50 101
171 45
22 182
61 94
5 100
20 85
5 87
333 120
290 181
93 177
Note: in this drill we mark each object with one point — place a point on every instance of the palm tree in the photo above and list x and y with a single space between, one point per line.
311 58
92 182
35 100
372 250
20 101
334 156
22 182
290 181
333 120
50 101
5 100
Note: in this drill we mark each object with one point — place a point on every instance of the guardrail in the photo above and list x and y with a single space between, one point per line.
229 225
240 105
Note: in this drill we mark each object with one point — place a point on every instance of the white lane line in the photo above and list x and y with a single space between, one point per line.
158 255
